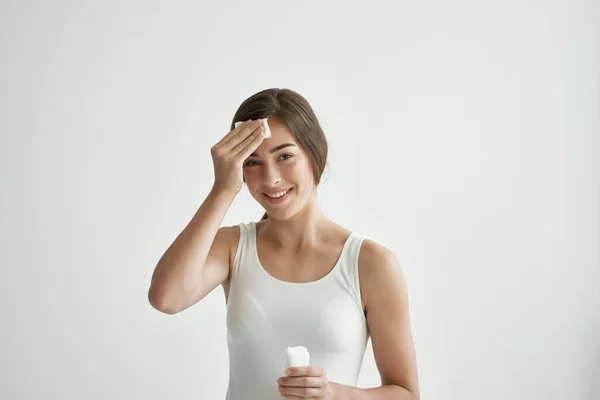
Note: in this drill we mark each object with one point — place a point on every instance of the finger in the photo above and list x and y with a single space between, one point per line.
241 135
302 381
308 370
300 391
233 132
250 144
240 141
238 134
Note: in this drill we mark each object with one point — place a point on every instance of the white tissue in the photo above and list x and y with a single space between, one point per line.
297 357
265 127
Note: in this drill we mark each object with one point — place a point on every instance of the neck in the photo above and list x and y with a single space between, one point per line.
302 231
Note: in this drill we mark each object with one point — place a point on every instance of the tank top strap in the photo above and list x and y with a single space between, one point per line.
349 266
244 248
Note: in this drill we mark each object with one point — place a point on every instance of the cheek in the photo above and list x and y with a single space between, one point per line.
292 166
296 172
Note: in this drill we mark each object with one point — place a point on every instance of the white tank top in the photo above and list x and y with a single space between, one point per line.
266 315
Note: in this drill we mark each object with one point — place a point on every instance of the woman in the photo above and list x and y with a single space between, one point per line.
295 278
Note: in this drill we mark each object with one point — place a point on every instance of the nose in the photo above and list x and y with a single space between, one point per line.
271 175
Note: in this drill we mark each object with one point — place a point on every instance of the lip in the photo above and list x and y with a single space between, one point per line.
277 191
279 199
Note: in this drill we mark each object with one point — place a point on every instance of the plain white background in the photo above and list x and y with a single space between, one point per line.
464 136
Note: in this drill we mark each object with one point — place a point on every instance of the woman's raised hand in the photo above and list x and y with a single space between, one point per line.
230 152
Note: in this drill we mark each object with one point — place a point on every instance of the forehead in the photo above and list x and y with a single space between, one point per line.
279 132
280 136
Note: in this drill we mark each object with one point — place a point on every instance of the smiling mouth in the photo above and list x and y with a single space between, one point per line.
282 190
278 199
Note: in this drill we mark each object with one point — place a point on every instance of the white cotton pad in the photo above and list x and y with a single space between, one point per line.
265 127
297 357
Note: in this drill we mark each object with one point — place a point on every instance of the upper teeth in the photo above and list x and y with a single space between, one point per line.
277 194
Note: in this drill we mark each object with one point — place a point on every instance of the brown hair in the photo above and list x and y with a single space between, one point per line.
296 113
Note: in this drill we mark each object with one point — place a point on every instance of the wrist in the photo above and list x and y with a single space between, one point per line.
223 193
334 392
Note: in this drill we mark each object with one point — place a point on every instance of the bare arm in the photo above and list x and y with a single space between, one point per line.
387 311
197 261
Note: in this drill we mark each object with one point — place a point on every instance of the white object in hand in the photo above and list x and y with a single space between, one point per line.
264 123
297 357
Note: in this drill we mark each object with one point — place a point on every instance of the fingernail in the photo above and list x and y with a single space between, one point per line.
287 371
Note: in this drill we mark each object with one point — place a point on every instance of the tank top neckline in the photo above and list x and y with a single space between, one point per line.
254 242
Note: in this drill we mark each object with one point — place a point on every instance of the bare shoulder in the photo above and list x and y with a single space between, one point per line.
231 234
376 265
375 258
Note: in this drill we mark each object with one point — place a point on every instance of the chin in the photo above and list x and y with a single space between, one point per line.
280 214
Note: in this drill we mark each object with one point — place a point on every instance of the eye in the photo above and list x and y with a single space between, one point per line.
249 163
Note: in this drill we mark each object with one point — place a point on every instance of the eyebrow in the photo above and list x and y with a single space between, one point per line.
274 149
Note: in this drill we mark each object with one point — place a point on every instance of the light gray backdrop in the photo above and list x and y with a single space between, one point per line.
463 135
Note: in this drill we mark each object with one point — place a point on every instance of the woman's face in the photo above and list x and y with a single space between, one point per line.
277 165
